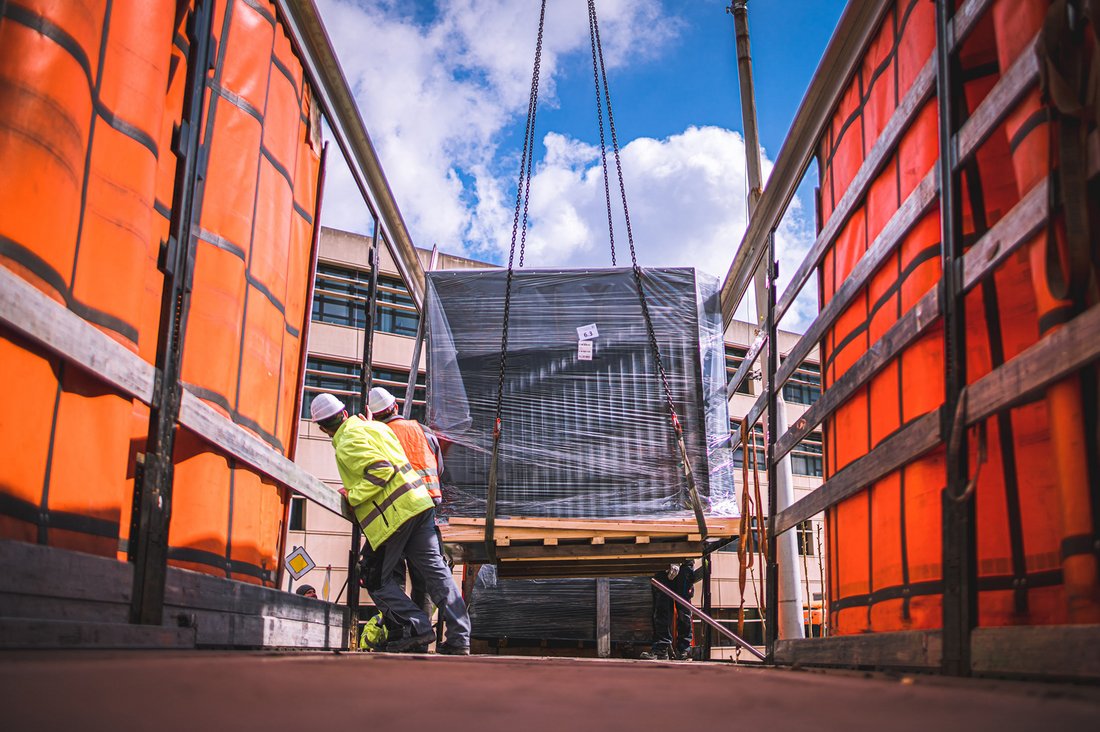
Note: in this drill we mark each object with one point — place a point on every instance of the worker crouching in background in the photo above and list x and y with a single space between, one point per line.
397 515
680 578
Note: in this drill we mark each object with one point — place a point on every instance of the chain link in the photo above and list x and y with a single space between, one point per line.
599 118
523 193
629 232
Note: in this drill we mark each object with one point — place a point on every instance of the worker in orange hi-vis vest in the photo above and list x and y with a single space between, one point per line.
422 449
420 443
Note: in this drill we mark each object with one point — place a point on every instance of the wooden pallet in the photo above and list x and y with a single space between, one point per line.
551 547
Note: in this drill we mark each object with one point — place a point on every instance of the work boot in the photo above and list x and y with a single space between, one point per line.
404 643
657 654
448 649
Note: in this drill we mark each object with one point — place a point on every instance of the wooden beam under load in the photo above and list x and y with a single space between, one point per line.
908 443
578 569
566 551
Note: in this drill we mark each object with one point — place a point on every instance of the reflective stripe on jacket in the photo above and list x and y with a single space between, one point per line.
383 488
419 451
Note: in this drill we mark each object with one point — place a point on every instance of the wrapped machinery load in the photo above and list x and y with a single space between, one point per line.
558 609
585 427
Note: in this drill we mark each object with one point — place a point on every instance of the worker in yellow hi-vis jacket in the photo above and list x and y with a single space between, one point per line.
397 515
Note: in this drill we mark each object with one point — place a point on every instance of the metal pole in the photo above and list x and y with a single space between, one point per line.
772 575
739 10
303 351
711 622
708 607
152 503
418 345
959 551
790 571
791 620
366 376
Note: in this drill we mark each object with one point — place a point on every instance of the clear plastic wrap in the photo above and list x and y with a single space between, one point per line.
585 428
558 609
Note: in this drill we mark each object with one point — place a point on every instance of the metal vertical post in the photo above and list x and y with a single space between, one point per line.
771 589
739 10
303 353
708 607
753 165
959 555
152 502
603 617
366 377
418 345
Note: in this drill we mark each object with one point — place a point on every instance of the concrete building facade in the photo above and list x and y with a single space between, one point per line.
335 351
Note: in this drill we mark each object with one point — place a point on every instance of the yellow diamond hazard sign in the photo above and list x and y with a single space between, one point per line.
298 563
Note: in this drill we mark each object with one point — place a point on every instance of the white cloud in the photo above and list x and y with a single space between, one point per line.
438 97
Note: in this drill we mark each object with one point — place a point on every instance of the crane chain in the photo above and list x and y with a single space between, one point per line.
599 118
523 193
598 56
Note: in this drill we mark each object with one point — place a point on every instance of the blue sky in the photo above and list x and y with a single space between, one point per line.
694 81
443 89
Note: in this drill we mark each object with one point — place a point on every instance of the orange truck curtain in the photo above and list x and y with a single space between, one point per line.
89 96
884 544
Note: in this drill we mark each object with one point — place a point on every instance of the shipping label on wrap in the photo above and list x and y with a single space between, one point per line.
584 350
587 332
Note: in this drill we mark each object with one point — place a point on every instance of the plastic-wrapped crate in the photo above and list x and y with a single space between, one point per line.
558 609
585 427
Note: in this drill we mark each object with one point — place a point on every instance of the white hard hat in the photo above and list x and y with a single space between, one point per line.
379 400
324 406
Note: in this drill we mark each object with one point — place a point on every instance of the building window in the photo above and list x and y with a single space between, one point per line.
735 355
806 457
397 382
342 379
336 377
804 386
339 297
757 439
297 520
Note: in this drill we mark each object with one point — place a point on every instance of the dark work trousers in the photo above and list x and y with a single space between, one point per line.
417 542
419 591
662 620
